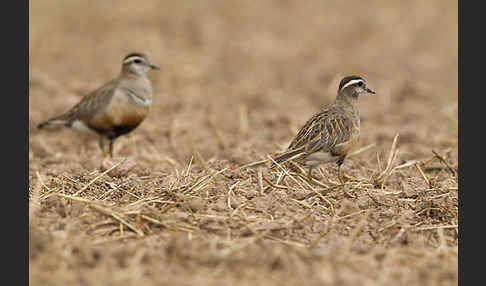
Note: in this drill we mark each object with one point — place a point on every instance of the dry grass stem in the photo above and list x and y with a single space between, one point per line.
43 184
260 181
286 173
196 153
76 198
379 179
251 164
423 175
282 187
407 164
441 158
116 216
99 176
361 150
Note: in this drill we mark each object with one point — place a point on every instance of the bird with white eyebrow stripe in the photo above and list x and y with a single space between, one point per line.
116 108
330 134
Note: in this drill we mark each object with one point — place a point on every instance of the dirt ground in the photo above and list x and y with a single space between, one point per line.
190 205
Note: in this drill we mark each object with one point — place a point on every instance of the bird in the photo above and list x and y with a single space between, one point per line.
114 109
329 134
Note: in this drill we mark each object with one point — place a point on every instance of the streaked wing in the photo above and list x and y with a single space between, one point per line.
323 131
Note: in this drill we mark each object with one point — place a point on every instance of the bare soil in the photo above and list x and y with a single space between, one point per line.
237 80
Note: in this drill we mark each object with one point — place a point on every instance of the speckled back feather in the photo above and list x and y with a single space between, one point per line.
324 131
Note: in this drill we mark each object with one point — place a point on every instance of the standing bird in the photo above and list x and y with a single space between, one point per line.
330 134
115 108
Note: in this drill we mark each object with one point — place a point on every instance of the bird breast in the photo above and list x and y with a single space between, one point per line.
121 111
124 110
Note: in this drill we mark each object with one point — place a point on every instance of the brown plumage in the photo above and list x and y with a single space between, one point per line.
115 108
330 134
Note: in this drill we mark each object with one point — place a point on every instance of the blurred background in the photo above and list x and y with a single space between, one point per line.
240 77
237 81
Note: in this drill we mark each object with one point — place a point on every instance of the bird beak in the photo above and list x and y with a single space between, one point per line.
370 91
154 67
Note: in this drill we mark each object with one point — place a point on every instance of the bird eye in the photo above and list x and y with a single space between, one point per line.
137 61
360 83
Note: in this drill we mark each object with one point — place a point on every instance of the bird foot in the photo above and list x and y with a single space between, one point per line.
340 176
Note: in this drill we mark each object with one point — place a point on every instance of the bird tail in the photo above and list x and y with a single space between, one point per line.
284 157
52 121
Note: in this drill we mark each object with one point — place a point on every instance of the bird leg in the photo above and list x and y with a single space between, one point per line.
102 145
340 173
309 175
340 176
111 147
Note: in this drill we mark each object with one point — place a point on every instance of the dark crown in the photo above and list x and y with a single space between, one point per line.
347 79
140 55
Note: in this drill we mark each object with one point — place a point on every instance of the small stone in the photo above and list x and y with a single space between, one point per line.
124 167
